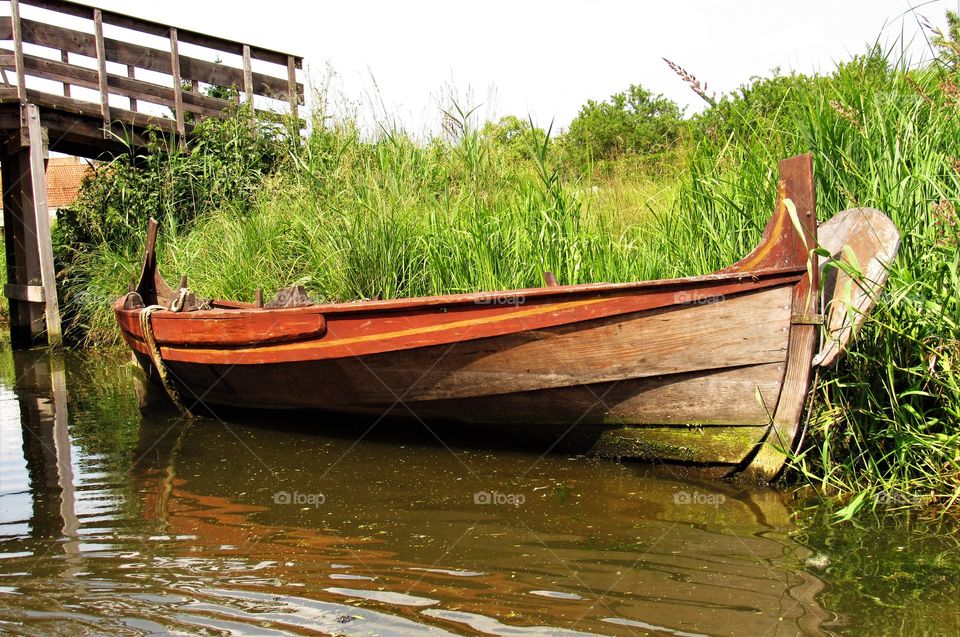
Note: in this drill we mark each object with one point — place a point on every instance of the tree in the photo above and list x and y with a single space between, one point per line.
632 122
517 136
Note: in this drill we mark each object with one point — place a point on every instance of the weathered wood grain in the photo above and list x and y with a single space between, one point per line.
101 69
863 239
148 58
177 88
376 327
746 330
16 34
730 396
626 369
130 87
796 183
41 225
233 330
155 28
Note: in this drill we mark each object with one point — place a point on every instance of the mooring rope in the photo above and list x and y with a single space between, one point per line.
154 351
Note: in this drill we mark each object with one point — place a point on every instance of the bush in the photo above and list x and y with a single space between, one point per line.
223 164
632 122
225 159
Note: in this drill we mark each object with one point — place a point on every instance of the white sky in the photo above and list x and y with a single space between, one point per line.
544 58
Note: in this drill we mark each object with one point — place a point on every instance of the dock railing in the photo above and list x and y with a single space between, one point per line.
136 64
91 82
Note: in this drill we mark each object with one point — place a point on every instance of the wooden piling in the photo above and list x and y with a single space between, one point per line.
31 287
34 119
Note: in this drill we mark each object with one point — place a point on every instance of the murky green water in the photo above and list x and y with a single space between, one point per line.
111 522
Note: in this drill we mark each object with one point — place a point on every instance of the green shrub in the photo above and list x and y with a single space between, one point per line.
632 122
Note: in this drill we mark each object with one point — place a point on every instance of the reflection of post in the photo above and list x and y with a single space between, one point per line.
61 441
41 390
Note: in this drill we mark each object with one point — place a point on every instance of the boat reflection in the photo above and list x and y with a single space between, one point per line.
156 524
432 534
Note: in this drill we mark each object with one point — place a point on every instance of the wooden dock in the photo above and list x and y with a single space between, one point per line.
88 82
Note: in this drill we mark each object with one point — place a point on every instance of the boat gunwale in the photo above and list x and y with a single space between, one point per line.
496 297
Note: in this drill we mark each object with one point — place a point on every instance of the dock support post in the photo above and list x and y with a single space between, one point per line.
31 287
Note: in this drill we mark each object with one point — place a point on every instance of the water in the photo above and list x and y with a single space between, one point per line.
111 522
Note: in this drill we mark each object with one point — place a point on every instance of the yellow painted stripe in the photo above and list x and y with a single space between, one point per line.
774 239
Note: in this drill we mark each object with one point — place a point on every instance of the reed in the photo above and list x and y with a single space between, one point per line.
884 427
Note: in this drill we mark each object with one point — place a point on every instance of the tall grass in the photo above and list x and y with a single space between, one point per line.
885 423
390 218
358 218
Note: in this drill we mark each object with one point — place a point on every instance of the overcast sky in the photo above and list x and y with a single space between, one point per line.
545 58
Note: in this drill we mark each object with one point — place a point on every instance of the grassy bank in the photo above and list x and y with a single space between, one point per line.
488 207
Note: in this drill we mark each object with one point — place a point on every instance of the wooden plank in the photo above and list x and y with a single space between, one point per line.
26 319
247 75
561 358
149 58
42 225
131 73
89 109
7 60
299 325
102 71
796 183
873 241
156 28
292 94
784 244
67 130
177 88
26 293
723 397
17 34
119 85
376 327
748 330
65 58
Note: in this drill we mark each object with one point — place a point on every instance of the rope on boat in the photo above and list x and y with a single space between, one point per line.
154 351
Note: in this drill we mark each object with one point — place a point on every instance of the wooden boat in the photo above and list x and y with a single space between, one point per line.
712 370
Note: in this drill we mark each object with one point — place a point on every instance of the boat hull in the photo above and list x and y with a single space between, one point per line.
655 383
711 370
